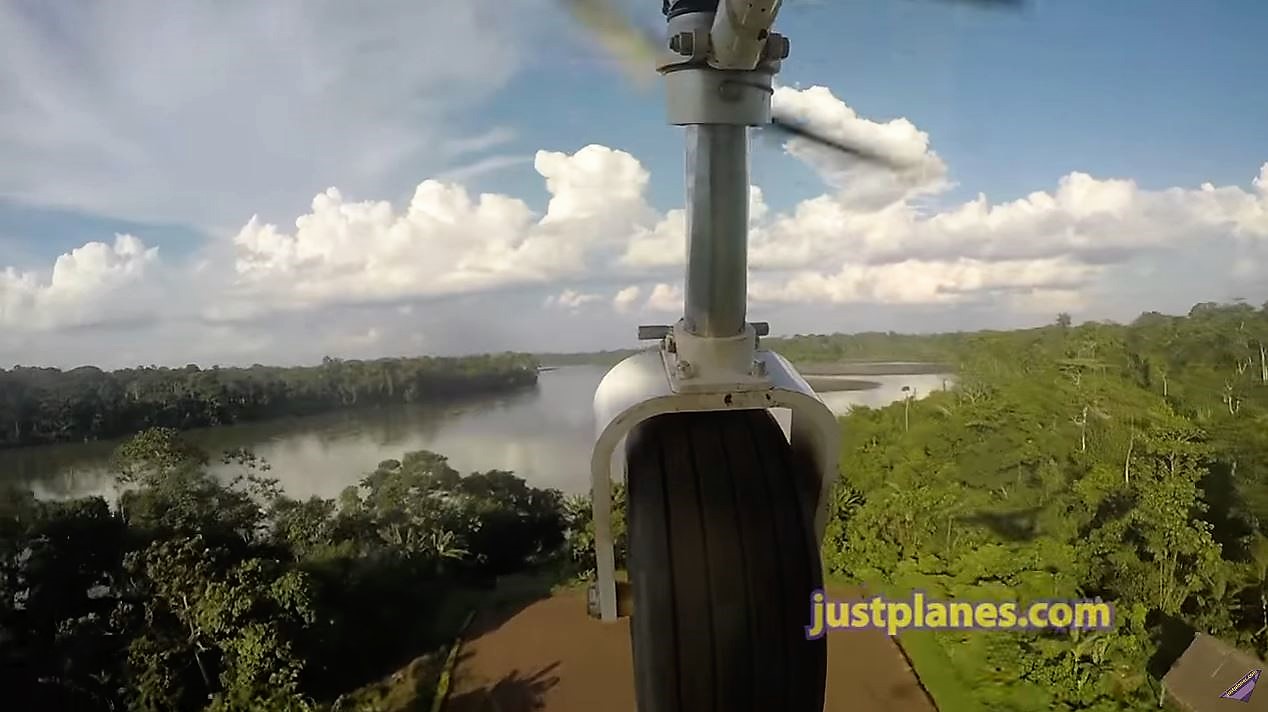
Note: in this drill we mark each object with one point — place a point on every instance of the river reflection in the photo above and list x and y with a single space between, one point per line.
543 434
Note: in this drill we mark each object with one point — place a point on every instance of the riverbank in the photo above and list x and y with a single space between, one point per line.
838 376
837 384
550 362
873 368
543 433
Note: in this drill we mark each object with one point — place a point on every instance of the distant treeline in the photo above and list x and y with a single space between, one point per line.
598 358
48 405
808 349
868 347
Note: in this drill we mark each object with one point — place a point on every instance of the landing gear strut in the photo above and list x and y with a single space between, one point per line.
726 508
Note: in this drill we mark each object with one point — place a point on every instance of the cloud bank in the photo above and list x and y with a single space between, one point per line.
449 271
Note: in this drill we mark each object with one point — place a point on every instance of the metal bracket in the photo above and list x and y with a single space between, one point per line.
698 93
699 364
652 332
644 385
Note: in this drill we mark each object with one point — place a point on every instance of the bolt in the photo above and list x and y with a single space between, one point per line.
759 368
592 601
683 43
670 345
684 369
777 46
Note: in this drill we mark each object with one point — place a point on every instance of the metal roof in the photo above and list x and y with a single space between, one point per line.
1207 668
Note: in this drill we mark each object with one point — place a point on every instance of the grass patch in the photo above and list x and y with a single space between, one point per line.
928 659
936 672
408 689
446 675
418 685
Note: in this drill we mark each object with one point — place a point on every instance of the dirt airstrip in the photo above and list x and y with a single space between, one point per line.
549 656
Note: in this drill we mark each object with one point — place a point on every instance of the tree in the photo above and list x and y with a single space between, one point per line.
218 628
58 573
169 490
579 527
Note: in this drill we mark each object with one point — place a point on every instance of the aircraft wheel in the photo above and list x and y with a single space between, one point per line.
718 617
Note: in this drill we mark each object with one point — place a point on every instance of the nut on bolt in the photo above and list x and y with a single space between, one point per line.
685 369
683 43
777 46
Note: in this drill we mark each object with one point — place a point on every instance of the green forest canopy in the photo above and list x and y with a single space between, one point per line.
194 594
1127 462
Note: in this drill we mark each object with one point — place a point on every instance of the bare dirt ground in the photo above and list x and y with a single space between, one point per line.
550 656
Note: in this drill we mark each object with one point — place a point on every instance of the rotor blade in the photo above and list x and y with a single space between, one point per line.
635 49
867 155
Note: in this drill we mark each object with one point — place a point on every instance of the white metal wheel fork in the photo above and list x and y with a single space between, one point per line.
655 382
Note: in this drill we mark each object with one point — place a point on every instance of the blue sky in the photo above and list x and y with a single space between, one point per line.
1162 91
175 126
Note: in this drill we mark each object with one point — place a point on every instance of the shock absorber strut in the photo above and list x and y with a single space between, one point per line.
717 105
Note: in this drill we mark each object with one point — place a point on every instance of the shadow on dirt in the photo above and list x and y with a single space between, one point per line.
515 692
409 680
510 596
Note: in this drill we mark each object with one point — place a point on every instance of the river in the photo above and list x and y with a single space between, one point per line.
543 434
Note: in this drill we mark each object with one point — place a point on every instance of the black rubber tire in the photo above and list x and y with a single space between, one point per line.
718 619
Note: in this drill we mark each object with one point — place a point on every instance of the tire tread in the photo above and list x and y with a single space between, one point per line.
717 621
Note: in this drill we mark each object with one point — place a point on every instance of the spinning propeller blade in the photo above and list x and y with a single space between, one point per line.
637 51
794 129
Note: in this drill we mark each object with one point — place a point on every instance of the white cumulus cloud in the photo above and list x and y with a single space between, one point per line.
926 282
446 241
491 271
97 281
570 299
623 301
860 185
665 298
